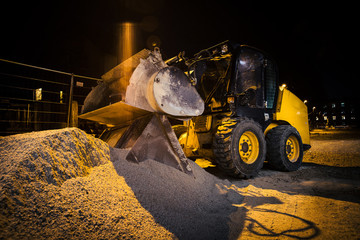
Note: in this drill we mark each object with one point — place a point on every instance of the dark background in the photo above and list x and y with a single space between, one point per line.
315 44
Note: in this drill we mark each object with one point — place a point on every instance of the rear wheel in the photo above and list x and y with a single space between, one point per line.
239 147
285 148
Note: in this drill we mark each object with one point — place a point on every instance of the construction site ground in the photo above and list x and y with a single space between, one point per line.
65 184
321 200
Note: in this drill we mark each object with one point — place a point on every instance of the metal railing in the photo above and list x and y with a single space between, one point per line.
35 98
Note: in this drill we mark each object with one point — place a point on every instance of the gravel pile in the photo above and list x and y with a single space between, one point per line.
63 184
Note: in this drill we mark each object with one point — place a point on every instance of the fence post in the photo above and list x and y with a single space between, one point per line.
70 100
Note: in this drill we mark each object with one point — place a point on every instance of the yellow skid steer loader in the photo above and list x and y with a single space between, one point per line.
233 110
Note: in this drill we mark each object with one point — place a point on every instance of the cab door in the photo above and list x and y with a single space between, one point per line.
248 78
255 78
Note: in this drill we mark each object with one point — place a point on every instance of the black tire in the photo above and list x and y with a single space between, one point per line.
285 149
236 159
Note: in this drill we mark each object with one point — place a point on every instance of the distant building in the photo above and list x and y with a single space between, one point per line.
335 114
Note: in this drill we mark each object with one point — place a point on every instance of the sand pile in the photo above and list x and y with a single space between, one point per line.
63 184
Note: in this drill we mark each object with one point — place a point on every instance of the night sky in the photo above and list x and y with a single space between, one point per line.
314 44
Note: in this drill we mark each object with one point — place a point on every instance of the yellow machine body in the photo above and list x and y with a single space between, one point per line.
292 110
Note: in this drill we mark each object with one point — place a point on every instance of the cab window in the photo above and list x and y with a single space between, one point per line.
270 80
248 75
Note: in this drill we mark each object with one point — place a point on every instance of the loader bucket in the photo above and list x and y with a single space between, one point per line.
156 87
154 92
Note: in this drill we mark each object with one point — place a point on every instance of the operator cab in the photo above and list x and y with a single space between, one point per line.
237 78
255 79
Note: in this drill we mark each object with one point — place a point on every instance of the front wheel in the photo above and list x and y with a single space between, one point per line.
239 147
285 148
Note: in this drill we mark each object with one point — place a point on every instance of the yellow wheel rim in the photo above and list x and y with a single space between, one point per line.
292 149
249 147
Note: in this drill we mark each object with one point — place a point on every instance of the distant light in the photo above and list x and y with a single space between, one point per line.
61 96
305 101
282 87
79 84
38 94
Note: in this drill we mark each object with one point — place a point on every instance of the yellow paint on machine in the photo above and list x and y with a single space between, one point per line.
294 111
